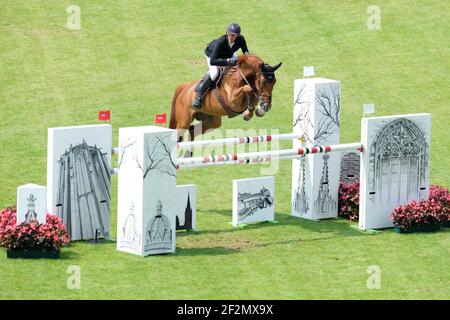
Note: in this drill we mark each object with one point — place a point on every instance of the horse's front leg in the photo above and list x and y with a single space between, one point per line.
248 114
237 98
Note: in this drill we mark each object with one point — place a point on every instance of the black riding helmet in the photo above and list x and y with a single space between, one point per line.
234 28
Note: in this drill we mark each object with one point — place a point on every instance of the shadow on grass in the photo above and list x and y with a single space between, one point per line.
226 213
229 240
338 227
67 254
230 229
100 242
211 251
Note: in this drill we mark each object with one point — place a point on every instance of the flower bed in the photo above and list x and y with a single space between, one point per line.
31 240
422 216
348 207
442 196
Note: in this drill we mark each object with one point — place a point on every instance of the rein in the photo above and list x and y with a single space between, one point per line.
246 81
259 97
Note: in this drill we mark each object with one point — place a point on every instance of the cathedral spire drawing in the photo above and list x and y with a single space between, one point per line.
301 201
187 217
324 203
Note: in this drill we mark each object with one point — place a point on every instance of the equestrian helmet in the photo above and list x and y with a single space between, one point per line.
234 28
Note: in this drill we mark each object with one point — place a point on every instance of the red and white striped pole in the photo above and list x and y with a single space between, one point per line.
240 140
264 156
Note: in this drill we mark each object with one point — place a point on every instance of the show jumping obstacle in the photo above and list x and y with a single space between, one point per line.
149 162
394 170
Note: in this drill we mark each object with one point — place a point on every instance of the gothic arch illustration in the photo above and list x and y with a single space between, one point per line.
398 162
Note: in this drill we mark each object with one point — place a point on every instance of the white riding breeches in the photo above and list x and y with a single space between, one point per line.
213 70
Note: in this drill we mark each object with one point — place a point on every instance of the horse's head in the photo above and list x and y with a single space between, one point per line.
264 84
262 75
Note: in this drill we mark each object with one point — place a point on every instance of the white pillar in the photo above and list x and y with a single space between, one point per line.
315 178
146 190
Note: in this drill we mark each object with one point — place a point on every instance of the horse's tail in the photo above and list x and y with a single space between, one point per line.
173 121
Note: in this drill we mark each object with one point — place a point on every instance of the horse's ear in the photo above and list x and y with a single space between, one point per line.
275 67
265 67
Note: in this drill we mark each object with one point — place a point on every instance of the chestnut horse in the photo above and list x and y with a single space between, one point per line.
237 92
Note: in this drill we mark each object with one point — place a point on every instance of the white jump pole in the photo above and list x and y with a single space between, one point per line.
240 140
263 156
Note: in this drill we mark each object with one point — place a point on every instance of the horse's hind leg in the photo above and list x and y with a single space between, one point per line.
182 127
207 123
194 130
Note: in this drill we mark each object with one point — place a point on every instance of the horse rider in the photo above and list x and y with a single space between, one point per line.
220 52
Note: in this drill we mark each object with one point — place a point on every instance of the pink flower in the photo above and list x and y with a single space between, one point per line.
50 235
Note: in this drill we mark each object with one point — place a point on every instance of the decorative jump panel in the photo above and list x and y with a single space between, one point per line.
79 178
253 200
395 166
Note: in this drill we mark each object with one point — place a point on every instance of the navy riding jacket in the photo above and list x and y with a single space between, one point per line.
219 51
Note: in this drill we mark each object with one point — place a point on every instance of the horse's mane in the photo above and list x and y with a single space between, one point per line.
250 59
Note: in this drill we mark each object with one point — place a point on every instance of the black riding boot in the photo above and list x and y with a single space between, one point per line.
202 88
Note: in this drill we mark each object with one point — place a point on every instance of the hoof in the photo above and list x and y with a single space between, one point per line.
247 115
260 112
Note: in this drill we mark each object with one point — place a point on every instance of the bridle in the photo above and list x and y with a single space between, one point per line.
260 96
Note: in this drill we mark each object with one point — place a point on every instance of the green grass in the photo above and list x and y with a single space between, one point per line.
129 57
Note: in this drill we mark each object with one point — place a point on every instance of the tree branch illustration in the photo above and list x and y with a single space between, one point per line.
328 102
303 119
301 100
169 167
123 149
153 155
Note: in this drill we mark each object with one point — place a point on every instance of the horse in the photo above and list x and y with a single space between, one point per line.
237 91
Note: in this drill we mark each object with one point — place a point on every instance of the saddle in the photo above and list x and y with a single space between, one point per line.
215 90
222 72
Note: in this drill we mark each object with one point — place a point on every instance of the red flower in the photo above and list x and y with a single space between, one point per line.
424 212
51 235
348 204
